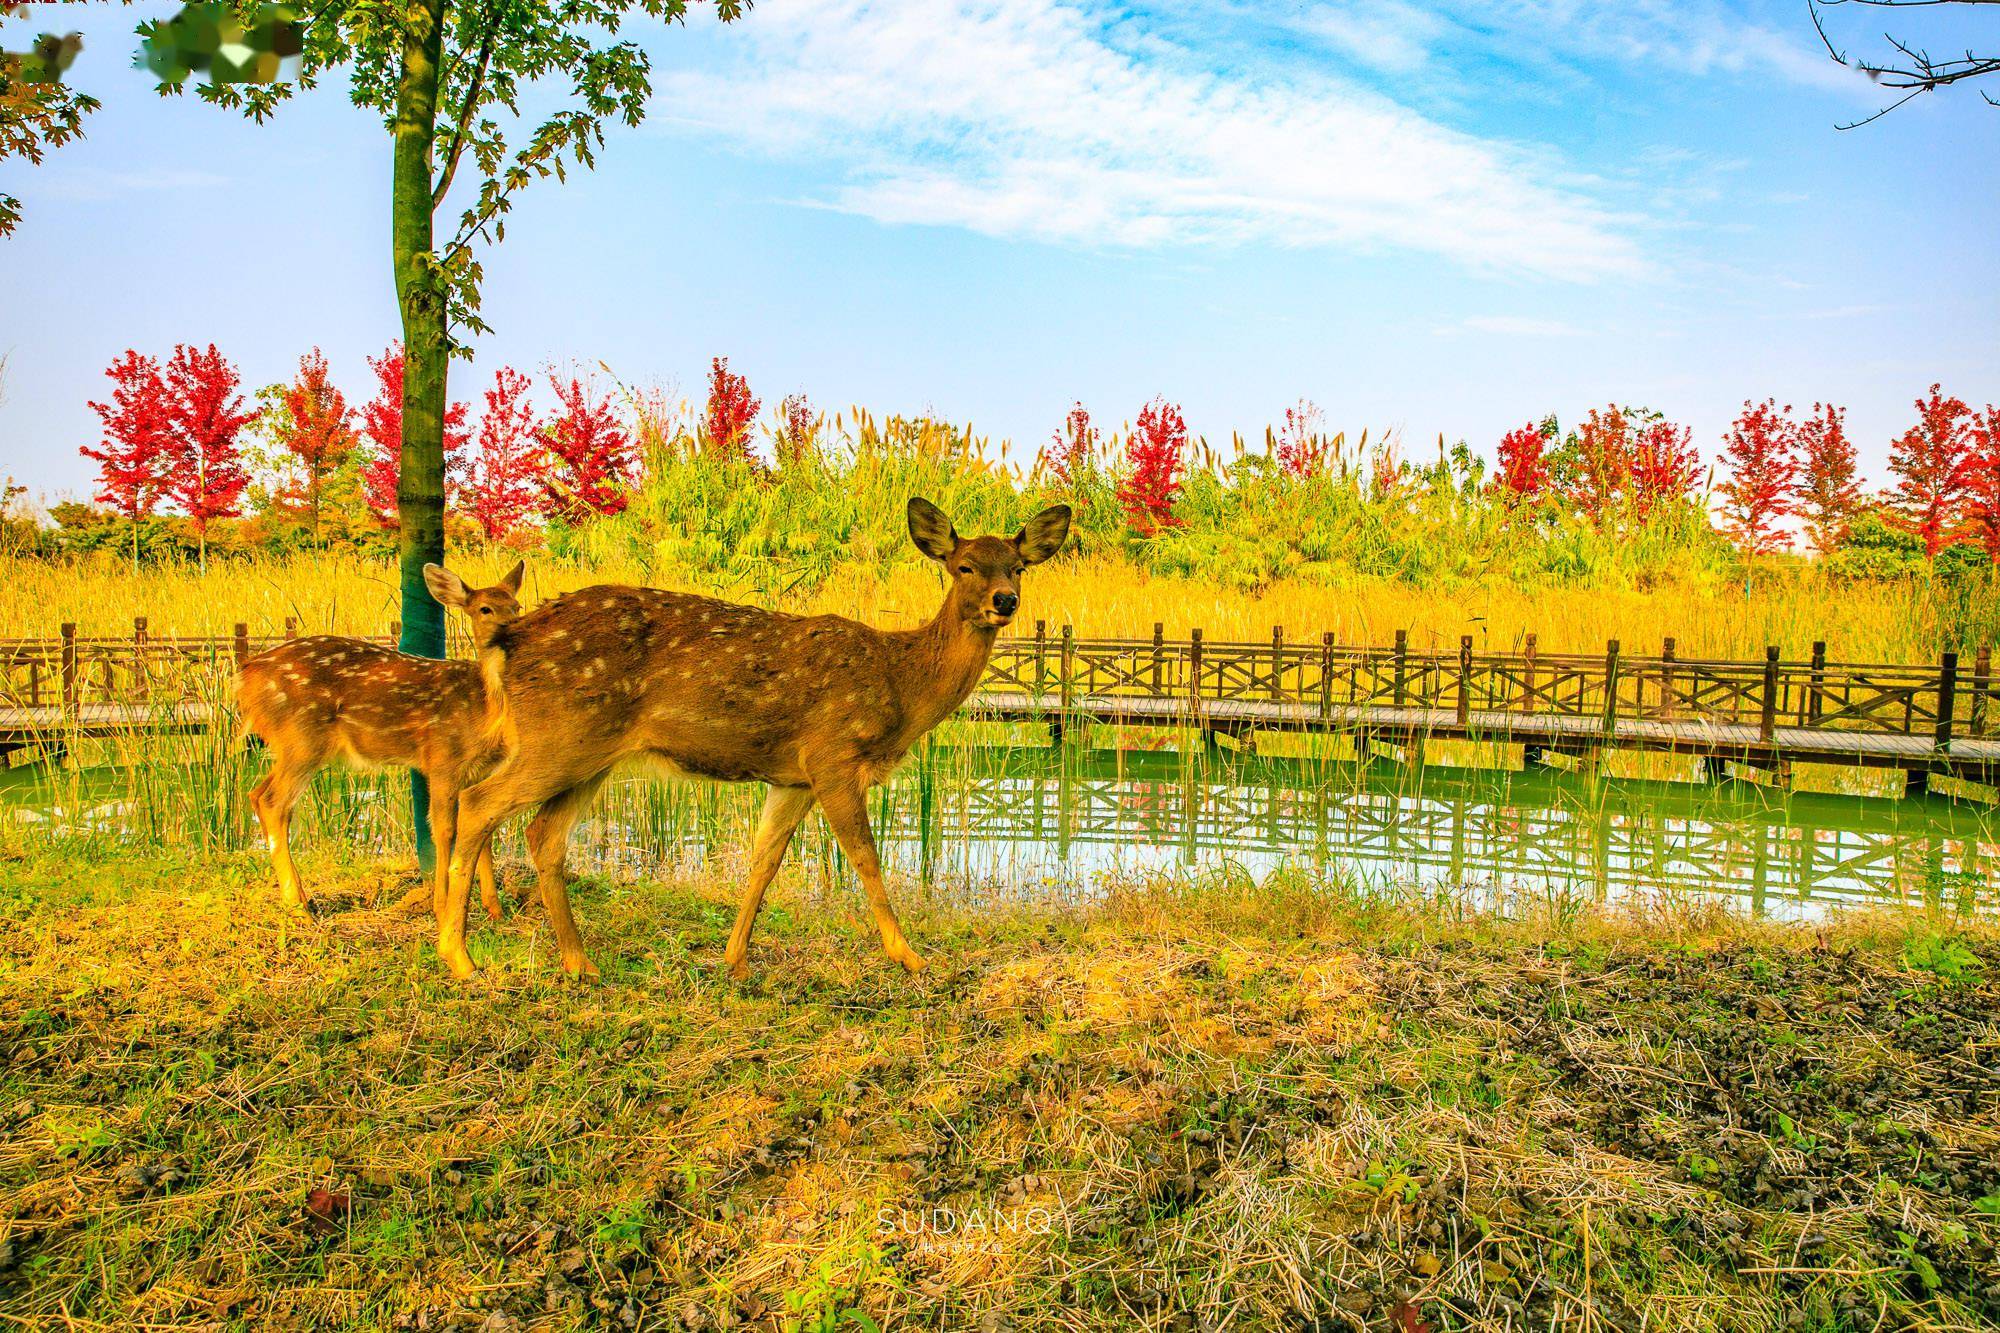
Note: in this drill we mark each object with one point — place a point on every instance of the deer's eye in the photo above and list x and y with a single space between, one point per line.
485 610
965 569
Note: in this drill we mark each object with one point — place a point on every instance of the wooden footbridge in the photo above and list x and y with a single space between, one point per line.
1923 719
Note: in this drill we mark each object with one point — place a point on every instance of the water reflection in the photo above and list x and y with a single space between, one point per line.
1010 816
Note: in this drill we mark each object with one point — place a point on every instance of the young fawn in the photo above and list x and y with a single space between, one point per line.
819 707
324 699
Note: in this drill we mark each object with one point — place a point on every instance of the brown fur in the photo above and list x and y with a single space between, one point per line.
818 707
327 699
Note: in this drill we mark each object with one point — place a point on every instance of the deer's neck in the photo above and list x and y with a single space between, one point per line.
943 662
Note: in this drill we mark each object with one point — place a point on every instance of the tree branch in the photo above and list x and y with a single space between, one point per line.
466 110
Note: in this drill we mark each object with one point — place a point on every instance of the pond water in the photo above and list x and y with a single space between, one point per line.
1064 821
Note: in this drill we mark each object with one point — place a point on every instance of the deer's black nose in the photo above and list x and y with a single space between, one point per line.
1006 603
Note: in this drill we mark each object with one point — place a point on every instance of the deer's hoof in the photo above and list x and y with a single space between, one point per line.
911 962
739 969
461 965
494 909
581 967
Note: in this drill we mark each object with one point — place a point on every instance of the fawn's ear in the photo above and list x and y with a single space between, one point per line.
1044 534
512 583
931 530
446 586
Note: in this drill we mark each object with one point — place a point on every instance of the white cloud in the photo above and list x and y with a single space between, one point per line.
1031 119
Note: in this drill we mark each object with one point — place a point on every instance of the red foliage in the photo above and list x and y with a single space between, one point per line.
132 457
382 423
796 438
1071 448
205 474
317 428
1760 449
1524 467
1156 451
1664 466
1603 463
1301 442
730 411
590 454
502 489
1829 488
1932 461
1982 501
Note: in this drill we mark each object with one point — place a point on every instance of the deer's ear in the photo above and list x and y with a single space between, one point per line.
446 586
1044 534
931 530
512 583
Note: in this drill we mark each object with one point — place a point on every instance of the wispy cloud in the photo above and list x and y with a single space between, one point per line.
1042 120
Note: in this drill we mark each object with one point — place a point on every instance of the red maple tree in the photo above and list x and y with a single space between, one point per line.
1601 465
1982 499
730 411
1524 466
315 426
1932 464
1301 440
1829 488
590 455
382 424
132 455
1664 466
205 472
1760 450
503 487
795 438
1070 450
1156 452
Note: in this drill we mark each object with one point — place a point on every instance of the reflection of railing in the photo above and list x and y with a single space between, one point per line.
1644 838
1913 716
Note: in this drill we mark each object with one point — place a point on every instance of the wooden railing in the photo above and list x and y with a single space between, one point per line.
1612 691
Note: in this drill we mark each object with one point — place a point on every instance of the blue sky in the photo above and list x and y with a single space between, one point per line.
1429 217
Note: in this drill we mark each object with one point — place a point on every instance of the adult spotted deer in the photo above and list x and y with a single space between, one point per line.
326 699
818 707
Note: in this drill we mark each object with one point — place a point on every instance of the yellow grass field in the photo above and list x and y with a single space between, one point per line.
1099 596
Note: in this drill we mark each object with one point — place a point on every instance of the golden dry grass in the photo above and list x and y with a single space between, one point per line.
1101 596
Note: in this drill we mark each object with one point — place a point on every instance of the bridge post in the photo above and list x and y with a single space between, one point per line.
1159 653
242 644
141 679
1528 674
1610 688
1666 681
1401 652
1277 688
1816 698
1767 721
1065 683
69 666
1326 675
1464 681
1194 684
1982 684
1947 698
291 627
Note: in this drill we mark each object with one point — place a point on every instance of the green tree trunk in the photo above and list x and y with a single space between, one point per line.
426 359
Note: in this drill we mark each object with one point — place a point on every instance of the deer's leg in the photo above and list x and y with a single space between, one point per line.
548 845
480 810
784 807
841 797
274 799
489 885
